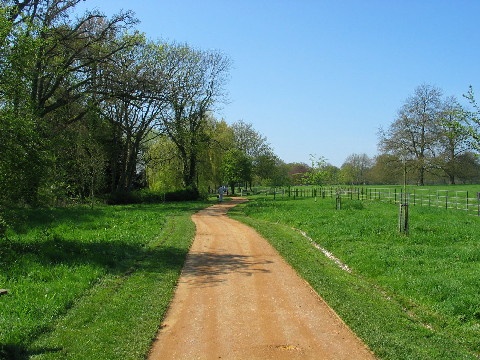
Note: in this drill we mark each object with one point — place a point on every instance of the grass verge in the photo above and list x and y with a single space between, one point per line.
408 297
91 284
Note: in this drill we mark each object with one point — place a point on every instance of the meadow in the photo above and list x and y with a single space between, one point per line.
413 296
95 283
90 283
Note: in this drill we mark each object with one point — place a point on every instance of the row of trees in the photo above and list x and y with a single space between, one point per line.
233 155
84 98
434 139
89 106
432 135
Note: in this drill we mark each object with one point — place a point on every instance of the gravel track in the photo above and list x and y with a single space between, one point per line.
238 299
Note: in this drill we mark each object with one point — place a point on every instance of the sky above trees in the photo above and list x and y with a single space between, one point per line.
320 77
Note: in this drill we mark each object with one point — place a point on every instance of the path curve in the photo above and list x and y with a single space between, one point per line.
238 299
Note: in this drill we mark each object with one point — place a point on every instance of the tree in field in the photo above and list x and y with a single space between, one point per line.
469 168
220 140
355 169
55 56
163 166
250 141
414 134
255 146
472 120
453 138
387 169
195 83
317 174
332 175
237 168
296 172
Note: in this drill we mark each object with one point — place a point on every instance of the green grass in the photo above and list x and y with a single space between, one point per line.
90 283
95 283
408 297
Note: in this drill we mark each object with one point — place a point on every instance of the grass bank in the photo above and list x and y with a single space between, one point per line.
407 297
90 283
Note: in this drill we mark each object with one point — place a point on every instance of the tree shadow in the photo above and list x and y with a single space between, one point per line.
22 220
18 352
22 259
209 269
51 248
115 257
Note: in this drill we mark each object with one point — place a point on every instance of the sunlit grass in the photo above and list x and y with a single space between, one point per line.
408 297
104 276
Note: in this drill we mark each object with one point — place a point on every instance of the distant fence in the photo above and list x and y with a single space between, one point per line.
467 201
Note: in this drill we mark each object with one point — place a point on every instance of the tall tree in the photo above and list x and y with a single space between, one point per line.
255 146
210 169
48 77
163 166
250 141
317 174
472 120
297 172
414 134
453 137
64 51
387 169
134 106
196 82
237 168
355 169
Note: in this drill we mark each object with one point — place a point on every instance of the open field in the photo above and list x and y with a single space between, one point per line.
407 297
90 283
106 275
458 197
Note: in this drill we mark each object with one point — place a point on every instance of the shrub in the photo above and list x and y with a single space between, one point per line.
3 227
152 197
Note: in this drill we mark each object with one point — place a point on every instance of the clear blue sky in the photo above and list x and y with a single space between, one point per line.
320 77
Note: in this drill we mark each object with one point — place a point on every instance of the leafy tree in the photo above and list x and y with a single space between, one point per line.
264 169
332 174
414 134
163 166
387 169
255 145
210 170
453 138
195 81
134 107
472 120
280 176
316 175
248 140
355 169
237 168
468 168
48 82
297 172
22 158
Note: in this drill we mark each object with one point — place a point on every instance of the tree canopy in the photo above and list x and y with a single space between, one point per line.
90 107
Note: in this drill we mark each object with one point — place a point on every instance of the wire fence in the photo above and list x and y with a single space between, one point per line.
467 201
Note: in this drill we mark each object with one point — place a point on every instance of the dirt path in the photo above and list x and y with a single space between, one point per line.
238 299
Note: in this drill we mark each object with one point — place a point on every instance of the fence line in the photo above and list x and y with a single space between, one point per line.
447 199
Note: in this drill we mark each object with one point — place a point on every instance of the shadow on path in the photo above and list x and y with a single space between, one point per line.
209 269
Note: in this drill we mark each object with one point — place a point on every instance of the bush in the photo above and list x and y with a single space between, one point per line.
182 195
122 198
3 227
151 197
